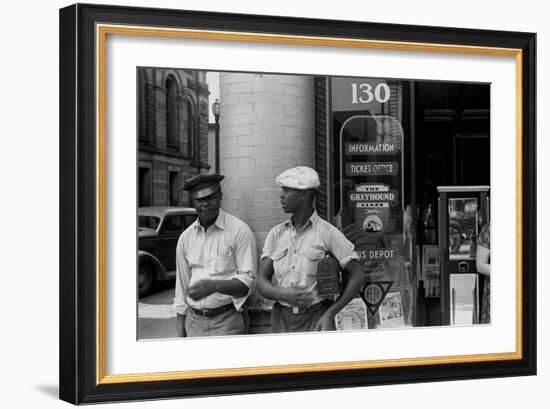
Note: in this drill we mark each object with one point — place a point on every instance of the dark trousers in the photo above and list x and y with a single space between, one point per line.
283 319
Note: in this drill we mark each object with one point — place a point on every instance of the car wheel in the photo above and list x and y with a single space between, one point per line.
145 279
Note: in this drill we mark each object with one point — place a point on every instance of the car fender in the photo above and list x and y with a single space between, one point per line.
160 271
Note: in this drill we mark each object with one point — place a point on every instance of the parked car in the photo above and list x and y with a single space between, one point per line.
158 231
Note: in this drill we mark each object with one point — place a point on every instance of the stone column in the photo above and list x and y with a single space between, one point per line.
267 125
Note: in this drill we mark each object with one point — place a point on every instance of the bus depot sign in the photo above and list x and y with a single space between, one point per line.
371 168
371 184
369 202
366 148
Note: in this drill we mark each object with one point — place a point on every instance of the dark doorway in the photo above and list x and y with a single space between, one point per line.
451 137
144 187
452 148
174 189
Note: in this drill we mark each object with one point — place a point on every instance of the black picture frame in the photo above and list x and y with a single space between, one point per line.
80 372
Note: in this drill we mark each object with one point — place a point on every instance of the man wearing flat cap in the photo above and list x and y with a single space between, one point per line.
291 255
215 266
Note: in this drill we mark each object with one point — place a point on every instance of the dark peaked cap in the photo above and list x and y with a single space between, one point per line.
202 185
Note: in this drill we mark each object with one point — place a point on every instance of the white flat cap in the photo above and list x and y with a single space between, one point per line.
300 177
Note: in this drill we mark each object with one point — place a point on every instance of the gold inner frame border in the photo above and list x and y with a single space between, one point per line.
102 30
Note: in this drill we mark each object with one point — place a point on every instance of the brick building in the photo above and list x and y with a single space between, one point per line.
173 133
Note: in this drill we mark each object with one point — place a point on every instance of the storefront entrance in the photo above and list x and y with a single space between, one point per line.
391 145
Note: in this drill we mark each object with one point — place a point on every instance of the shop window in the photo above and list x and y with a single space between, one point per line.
370 199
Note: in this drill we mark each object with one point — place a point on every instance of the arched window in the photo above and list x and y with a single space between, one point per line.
190 134
171 112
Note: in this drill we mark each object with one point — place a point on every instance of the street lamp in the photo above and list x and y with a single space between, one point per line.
216 112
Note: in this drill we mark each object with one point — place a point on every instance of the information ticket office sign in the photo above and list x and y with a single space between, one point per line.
369 183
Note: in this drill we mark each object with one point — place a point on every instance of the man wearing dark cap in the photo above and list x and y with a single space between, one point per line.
291 256
215 265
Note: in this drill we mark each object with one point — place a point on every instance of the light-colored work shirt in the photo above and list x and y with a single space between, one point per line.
296 254
226 250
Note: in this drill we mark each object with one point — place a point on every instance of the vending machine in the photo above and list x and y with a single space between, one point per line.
463 210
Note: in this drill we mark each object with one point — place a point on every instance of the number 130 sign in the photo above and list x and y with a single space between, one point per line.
365 93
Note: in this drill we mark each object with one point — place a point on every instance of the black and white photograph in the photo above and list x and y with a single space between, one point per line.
270 204
281 203
275 204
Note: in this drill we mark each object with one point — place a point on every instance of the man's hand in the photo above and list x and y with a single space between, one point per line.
326 322
201 289
180 325
297 296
